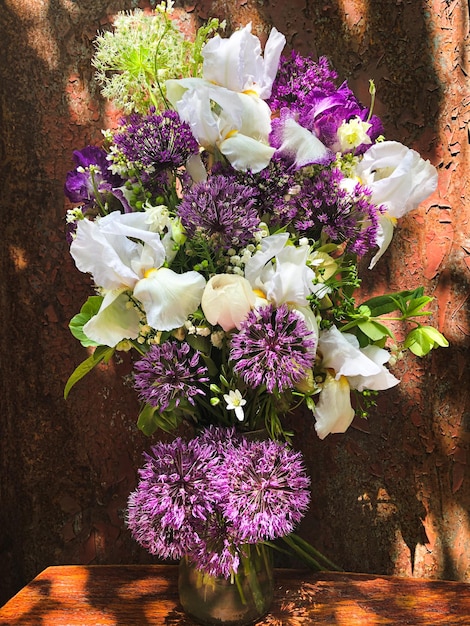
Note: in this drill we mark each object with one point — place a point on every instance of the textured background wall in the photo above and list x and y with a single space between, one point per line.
392 495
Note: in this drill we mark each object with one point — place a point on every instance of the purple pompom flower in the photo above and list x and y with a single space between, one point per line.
295 79
153 143
171 503
169 374
264 490
222 210
324 204
217 553
273 348
269 188
208 498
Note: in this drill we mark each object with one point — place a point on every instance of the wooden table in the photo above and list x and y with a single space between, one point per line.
146 595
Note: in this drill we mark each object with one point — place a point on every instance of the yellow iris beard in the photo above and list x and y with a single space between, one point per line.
150 271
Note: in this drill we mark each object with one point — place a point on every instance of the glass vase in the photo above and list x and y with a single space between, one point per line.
236 601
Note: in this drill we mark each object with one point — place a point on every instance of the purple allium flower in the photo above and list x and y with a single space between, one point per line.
169 374
323 204
264 490
295 79
208 498
217 553
222 210
273 347
91 178
171 503
156 142
269 188
220 437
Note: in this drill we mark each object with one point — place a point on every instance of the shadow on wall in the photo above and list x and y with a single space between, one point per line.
56 459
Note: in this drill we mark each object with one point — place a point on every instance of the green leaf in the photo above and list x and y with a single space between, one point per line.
150 420
387 303
437 337
381 305
88 310
414 309
202 344
374 330
146 421
102 353
418 343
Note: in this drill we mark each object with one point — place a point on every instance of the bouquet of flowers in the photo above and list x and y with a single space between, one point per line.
223 221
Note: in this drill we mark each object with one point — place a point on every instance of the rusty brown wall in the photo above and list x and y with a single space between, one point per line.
391 495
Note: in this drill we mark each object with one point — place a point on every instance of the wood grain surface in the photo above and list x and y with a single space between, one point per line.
141 595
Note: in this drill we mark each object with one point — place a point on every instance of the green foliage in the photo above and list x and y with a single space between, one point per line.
88 310
423 339
143 51
150 419
101 354
366 321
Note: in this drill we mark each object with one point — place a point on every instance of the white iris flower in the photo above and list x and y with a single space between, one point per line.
347 367
399 179
226 108
281 272
124 257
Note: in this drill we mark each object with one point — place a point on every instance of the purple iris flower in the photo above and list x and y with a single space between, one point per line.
92 180
324 112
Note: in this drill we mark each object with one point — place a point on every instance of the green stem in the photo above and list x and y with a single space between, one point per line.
252 577
357 321
309 554
101 206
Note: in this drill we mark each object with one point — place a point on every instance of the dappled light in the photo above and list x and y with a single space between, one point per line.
148 596
18 257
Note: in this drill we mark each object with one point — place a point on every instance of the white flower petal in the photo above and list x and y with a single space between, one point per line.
114 321
291 280
341 353
105 258
196 169
236 62
397 176
270 246
301 145
227 300
239 126
169 298
256 117
272 53
383 379
384 237
245 153
104 248
333 411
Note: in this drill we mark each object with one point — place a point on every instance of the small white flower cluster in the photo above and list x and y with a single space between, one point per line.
237 261
201 331
73 215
